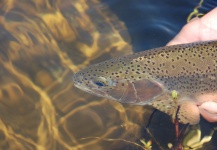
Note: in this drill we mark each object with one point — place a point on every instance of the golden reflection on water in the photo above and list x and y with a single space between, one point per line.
42 44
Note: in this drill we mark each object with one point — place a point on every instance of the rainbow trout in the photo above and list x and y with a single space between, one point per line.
153 76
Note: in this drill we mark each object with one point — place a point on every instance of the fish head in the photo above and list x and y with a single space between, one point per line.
117 79
97 79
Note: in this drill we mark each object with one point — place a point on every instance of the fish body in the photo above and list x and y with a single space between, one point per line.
149 77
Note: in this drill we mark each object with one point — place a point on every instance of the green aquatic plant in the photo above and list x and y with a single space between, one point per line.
174 95
147 145
190 136
193 138
195 12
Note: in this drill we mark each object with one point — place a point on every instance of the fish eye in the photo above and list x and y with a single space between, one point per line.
102 82
99 84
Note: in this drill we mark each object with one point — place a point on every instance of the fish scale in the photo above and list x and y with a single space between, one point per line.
148 77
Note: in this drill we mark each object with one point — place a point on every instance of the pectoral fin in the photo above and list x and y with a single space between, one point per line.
165 103
187 113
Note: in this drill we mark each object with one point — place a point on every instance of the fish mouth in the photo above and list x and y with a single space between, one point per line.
79 82
91 91
77 79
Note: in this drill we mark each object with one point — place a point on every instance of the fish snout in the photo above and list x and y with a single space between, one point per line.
78 80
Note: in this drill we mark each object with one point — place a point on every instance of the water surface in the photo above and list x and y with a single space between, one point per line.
43 43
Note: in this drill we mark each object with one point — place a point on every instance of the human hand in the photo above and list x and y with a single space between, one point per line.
198 29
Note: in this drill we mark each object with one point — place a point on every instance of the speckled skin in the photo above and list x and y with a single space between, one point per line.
149 77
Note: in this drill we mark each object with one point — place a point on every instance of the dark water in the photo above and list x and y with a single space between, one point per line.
152 23
42 45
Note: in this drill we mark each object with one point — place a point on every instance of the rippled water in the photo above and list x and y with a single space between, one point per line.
43 43
153 23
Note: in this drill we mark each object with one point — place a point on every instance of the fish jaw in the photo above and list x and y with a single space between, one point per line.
84 85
